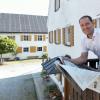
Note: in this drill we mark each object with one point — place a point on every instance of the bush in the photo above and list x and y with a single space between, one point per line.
53 92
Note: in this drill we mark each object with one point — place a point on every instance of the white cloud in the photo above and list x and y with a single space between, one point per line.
33 7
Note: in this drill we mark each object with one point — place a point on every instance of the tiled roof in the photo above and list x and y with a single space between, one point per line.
22 23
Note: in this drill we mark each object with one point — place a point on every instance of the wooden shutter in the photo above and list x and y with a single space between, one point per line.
22 37
55 36
44 37
35 37
19 50
30 37
51 36
71 30
44 48
33 49
94 23
59 36
63 36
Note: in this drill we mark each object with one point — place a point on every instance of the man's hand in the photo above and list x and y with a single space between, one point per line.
65 58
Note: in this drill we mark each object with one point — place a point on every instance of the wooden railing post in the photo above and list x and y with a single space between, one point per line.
66 89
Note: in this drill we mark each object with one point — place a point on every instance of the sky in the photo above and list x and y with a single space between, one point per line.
31 7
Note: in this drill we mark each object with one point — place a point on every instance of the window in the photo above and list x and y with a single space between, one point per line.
39 48
11 37
57 36
57 5
26 49
26 38
39 37
68 36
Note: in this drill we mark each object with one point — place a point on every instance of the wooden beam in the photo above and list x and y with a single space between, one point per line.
66 89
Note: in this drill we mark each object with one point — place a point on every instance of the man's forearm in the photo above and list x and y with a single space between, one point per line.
78 60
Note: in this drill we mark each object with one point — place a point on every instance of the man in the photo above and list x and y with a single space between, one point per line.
90 42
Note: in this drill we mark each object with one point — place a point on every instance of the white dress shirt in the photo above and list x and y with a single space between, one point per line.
92 44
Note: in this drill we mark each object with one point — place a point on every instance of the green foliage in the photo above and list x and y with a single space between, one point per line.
52 87
43 73
7 45
53 92
45 56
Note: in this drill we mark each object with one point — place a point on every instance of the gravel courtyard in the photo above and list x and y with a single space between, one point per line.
16 81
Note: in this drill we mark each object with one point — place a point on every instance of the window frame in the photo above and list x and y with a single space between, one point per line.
69 32
67 37
26 37
40 38
57 5
27 49
38 48
11 37
57 41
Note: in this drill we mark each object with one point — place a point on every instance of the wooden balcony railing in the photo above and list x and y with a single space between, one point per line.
72 91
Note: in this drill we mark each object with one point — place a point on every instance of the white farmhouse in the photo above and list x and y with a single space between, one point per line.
64 31
29 32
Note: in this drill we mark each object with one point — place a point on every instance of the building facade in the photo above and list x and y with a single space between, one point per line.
64 31
29 32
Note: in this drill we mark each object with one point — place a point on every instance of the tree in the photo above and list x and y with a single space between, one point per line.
6 46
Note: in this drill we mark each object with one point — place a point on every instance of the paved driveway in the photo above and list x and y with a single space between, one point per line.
16 81
12 69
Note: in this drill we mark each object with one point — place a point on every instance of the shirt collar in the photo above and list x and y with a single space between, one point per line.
94 34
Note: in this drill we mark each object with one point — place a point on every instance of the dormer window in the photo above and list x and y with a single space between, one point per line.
57 5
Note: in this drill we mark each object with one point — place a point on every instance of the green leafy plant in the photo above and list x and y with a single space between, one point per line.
44 56
6 46
44 75
53 92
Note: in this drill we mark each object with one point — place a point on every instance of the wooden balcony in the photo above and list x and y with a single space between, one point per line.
72 90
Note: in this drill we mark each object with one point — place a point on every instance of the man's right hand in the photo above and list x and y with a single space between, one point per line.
65 58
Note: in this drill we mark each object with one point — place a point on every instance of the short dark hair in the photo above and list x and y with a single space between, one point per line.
86 16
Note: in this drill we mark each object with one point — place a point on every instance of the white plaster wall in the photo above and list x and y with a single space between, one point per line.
23 44
69 13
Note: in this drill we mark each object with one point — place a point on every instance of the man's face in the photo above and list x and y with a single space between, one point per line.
86 26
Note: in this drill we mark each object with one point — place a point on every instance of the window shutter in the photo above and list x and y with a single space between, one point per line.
94 23
19 50
63 35
33 49
44 37
49 37
52 37
30 37
55 36
44 48
35 37
71 30
59 36
22 37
